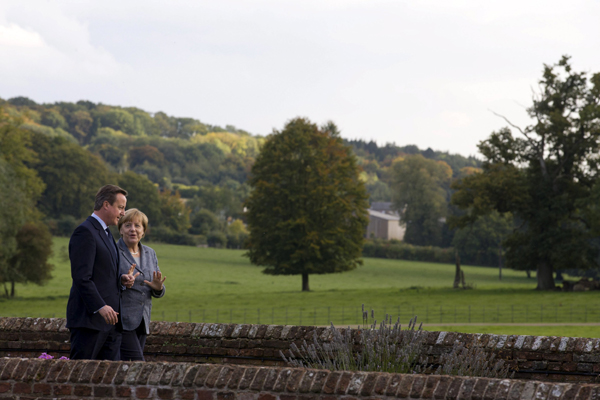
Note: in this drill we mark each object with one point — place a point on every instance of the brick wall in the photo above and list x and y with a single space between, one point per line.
35 378
552 359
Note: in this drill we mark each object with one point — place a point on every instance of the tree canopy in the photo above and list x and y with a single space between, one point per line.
545 176
307 210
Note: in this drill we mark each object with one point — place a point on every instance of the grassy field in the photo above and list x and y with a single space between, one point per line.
205 284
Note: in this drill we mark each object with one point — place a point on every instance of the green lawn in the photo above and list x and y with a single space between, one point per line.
205 284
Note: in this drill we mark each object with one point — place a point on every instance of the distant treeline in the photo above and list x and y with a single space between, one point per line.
188 176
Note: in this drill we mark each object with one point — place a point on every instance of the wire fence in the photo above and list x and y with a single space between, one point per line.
471 314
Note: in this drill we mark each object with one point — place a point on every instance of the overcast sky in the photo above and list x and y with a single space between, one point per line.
424 72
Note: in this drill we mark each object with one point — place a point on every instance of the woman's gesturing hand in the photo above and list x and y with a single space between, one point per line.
157 281
128 279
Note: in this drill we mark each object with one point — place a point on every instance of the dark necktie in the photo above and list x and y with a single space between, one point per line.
113 250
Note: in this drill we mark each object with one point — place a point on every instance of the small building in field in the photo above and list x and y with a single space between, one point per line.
384 226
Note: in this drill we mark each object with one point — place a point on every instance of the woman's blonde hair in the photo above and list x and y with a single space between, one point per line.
134 214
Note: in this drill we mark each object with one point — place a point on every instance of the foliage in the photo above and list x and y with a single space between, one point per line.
203 222
472 361
29 264
544 177
216 239
72 176
173 212
307 211
480 243
167 235
386 348
420 197
143 195
397 250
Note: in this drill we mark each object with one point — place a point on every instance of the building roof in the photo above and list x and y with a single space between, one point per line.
385 216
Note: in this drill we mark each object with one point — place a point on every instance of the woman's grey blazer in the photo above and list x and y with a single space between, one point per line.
136 302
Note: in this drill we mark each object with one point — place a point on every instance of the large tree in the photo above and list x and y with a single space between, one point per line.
419 194
307 210
545 176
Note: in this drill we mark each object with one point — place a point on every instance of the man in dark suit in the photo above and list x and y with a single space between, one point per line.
94 302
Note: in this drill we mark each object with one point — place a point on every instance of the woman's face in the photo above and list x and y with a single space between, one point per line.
132 232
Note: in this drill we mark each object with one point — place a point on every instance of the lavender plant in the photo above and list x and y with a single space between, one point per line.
388 348
379 348
472 361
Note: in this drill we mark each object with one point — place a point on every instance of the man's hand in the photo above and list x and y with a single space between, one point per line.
157 281
109 315
128 279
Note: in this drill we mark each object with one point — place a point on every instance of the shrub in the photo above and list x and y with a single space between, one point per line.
166 235
216 239
394 249
388 348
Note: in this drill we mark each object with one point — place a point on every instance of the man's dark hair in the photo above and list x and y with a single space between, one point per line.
107 193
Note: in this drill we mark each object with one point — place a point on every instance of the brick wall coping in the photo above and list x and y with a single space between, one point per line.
27 378
545 344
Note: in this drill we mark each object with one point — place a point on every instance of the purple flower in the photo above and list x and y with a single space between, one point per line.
46 356
64 358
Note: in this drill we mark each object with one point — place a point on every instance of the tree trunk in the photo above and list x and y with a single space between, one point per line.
457 272
12 289
6 291
305 287
500 262
544 276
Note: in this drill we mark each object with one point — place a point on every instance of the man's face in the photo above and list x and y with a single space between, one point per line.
116 210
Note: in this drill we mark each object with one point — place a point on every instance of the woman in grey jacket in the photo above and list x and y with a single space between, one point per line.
136 301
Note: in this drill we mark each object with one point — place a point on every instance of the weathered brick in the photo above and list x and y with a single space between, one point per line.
155 374
185 394
111 373
213 376
430 385
307 381
515 391
271 378
584 393
121 373
8 369
331 382
266 396
224 377
65 372
22 388
203 371
282 379
76 371
62 390
42 388
294 380
467 388
343 383
369 384
123 391
167 375
143 392
205 394
165 393
454 388
103 391
82 390
99 372
393 386
225 395
247 378
5 387
319 381
405 386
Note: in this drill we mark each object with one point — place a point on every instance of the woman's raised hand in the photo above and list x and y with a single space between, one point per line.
157 281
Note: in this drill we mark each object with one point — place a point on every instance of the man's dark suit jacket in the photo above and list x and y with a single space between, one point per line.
94 269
